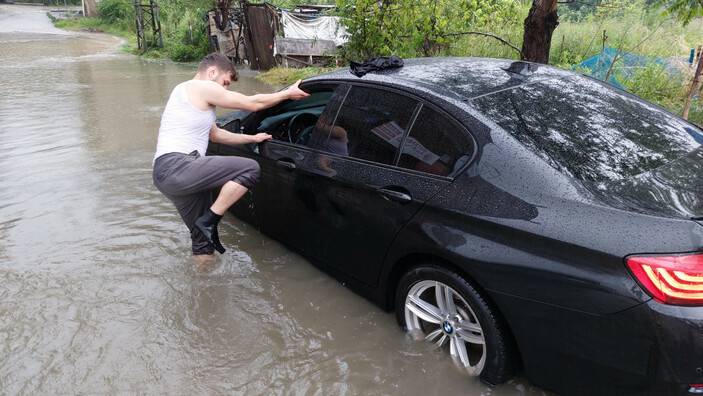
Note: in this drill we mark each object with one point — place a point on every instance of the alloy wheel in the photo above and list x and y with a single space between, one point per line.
437 313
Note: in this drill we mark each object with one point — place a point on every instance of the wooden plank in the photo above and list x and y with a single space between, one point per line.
259 21
286 58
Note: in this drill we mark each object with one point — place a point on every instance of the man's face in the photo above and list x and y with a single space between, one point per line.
220 77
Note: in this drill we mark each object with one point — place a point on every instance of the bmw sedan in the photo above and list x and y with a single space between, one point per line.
520 217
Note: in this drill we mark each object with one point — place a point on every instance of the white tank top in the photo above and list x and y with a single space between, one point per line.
184 127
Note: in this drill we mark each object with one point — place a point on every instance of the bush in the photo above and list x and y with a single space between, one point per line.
188 41
656 84
180 52
114 11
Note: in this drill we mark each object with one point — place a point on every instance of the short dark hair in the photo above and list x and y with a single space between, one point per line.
220 61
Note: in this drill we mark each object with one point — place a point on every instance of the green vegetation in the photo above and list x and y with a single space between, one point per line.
182 25
286 76
685 10
99 25
412 28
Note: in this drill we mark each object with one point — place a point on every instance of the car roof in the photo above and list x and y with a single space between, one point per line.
462 78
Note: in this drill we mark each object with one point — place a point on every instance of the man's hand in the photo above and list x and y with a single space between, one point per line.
261 137
295 93
218 135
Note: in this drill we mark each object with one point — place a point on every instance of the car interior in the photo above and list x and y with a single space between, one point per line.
293 121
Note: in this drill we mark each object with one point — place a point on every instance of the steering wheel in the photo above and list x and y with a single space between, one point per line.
298 124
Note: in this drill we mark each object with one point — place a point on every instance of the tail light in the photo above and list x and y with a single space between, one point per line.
670 279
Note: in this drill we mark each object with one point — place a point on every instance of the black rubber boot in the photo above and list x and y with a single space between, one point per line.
216 241
207 224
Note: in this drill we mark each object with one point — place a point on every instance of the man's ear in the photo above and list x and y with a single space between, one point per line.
211 73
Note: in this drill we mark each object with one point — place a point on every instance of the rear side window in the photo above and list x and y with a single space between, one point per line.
371 124
435 145
589 131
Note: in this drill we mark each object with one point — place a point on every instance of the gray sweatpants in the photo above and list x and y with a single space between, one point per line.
189 181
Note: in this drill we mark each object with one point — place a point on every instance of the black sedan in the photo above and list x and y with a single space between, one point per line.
520 216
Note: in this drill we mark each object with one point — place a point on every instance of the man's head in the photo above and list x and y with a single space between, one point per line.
217 68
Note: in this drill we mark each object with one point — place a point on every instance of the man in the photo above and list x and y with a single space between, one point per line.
183 173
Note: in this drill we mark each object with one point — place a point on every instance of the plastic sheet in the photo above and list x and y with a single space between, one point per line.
316 28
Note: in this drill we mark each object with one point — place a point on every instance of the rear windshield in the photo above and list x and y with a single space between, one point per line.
589 131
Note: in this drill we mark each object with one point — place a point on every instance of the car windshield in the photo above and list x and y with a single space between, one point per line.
589 131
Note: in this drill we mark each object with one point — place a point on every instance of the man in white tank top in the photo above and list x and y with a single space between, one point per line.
183 173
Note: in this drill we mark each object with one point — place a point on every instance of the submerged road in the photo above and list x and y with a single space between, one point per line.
98 294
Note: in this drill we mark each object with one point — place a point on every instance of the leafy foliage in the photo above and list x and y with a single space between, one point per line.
187 41
114 11
657 84
416 27
685 10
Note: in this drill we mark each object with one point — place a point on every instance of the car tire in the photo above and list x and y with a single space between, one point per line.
474 332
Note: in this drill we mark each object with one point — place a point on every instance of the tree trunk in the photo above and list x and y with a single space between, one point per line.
90 9
539 26
695 85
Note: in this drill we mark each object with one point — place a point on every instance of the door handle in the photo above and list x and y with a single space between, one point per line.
285 164
395 195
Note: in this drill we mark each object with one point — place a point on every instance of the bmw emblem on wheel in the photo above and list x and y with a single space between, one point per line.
447 327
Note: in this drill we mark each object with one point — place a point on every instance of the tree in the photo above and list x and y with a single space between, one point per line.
90 9
539 26
695 85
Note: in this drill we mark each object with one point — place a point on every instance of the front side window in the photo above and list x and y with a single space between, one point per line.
370 125
435 145
295 121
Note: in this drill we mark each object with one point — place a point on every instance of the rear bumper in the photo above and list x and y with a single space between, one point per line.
679 347
650 349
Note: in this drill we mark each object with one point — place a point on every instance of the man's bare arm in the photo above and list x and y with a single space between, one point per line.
219 135
216 95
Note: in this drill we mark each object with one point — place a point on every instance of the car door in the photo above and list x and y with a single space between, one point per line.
370 177
266 204
283 190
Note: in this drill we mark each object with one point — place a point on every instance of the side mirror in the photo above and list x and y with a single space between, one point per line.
233 121
234 126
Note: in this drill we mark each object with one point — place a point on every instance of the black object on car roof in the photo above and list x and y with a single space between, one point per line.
375 64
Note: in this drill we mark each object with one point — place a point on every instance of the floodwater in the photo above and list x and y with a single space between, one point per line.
98 293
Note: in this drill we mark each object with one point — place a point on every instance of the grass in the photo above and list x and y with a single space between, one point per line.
285 76
97 25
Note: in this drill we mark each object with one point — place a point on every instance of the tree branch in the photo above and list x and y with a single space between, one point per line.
619 53
502 40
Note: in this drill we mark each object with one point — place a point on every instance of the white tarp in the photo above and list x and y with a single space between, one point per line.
319 28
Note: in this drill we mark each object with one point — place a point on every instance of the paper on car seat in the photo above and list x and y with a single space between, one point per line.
392 133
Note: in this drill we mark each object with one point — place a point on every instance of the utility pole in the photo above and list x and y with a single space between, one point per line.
145 15
695 85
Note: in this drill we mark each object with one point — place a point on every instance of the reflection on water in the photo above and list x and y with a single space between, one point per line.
98 291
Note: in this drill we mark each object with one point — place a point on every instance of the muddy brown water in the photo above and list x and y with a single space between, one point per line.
98 294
